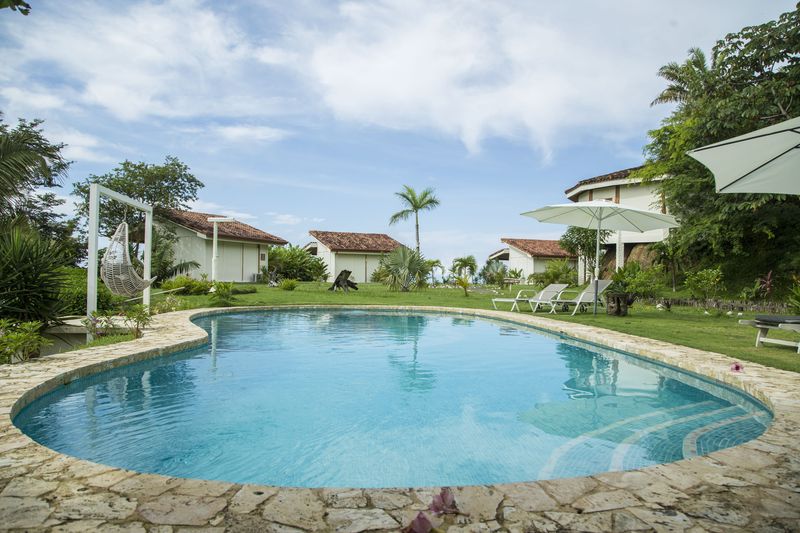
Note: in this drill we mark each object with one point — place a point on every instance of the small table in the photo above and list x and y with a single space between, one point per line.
764 328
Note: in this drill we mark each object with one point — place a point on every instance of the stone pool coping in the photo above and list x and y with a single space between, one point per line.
754 486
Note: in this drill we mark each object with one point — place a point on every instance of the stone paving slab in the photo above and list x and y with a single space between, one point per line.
752 487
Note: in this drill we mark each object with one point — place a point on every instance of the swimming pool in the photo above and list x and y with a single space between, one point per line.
376 399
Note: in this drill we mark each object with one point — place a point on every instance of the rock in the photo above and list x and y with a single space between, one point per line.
356 520
106 506
624 521
350 498
297 508
591 523
22 512
528 497
78 526
566 491
662 520
249 497
179 509
480 503
130 527
388 500
605 501
660 493
202 487
26 486
108 478
145 485
717 511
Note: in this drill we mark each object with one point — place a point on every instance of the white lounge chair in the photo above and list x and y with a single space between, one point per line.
520 297
583 299
544 296
764 323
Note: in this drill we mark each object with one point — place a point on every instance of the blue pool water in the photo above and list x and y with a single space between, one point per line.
379 399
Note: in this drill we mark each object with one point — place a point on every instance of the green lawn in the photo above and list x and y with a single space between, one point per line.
685 326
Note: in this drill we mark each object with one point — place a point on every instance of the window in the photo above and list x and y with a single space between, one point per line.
263 256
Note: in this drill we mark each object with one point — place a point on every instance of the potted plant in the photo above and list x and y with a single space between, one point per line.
619 295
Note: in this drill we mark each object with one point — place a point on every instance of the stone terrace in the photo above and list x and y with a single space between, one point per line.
753 487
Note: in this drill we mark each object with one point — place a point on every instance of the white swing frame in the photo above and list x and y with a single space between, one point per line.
95 192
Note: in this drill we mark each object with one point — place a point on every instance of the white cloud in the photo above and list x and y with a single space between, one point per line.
244 132
217 209
80 146
31 99
541 73
169 59
288 219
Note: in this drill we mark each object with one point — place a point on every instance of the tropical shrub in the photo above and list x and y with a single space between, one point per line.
189 285
99 324
636 281
292 262
163 265
167 305
288 284
244 289
222 294
494 273
31 276
556 271
406 270
705 283
794 297
380 274
20 341
136 317
516 273
73 293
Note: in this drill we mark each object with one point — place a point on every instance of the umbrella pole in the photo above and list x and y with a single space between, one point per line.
597 262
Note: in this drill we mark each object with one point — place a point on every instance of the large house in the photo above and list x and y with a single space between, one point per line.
531 255
241 248
619 187
359 253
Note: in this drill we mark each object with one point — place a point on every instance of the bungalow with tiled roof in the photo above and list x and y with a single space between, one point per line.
620 187
531 255
359 253
241 248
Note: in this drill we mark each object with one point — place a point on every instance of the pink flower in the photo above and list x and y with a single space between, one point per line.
420 524
444 503
737 367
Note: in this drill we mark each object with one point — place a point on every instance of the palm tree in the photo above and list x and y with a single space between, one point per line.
464 266
27 160
425 201
692 78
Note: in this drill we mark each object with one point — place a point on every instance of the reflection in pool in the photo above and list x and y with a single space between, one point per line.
377 399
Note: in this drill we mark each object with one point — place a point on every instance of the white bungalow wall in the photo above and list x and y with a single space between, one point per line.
361 265
529 264
643 196
238 261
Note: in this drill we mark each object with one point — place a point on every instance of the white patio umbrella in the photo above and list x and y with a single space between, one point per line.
762 161
600 215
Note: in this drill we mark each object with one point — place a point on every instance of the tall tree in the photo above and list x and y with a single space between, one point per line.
167 186
27 161
582 242
414 203
752 81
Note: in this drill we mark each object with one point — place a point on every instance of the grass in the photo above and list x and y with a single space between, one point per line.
106 340
684 326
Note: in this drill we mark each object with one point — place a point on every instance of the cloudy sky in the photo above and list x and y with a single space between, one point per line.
310 115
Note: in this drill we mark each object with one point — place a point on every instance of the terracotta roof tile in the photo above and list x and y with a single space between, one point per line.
340 241
230 230
617 175
538 247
